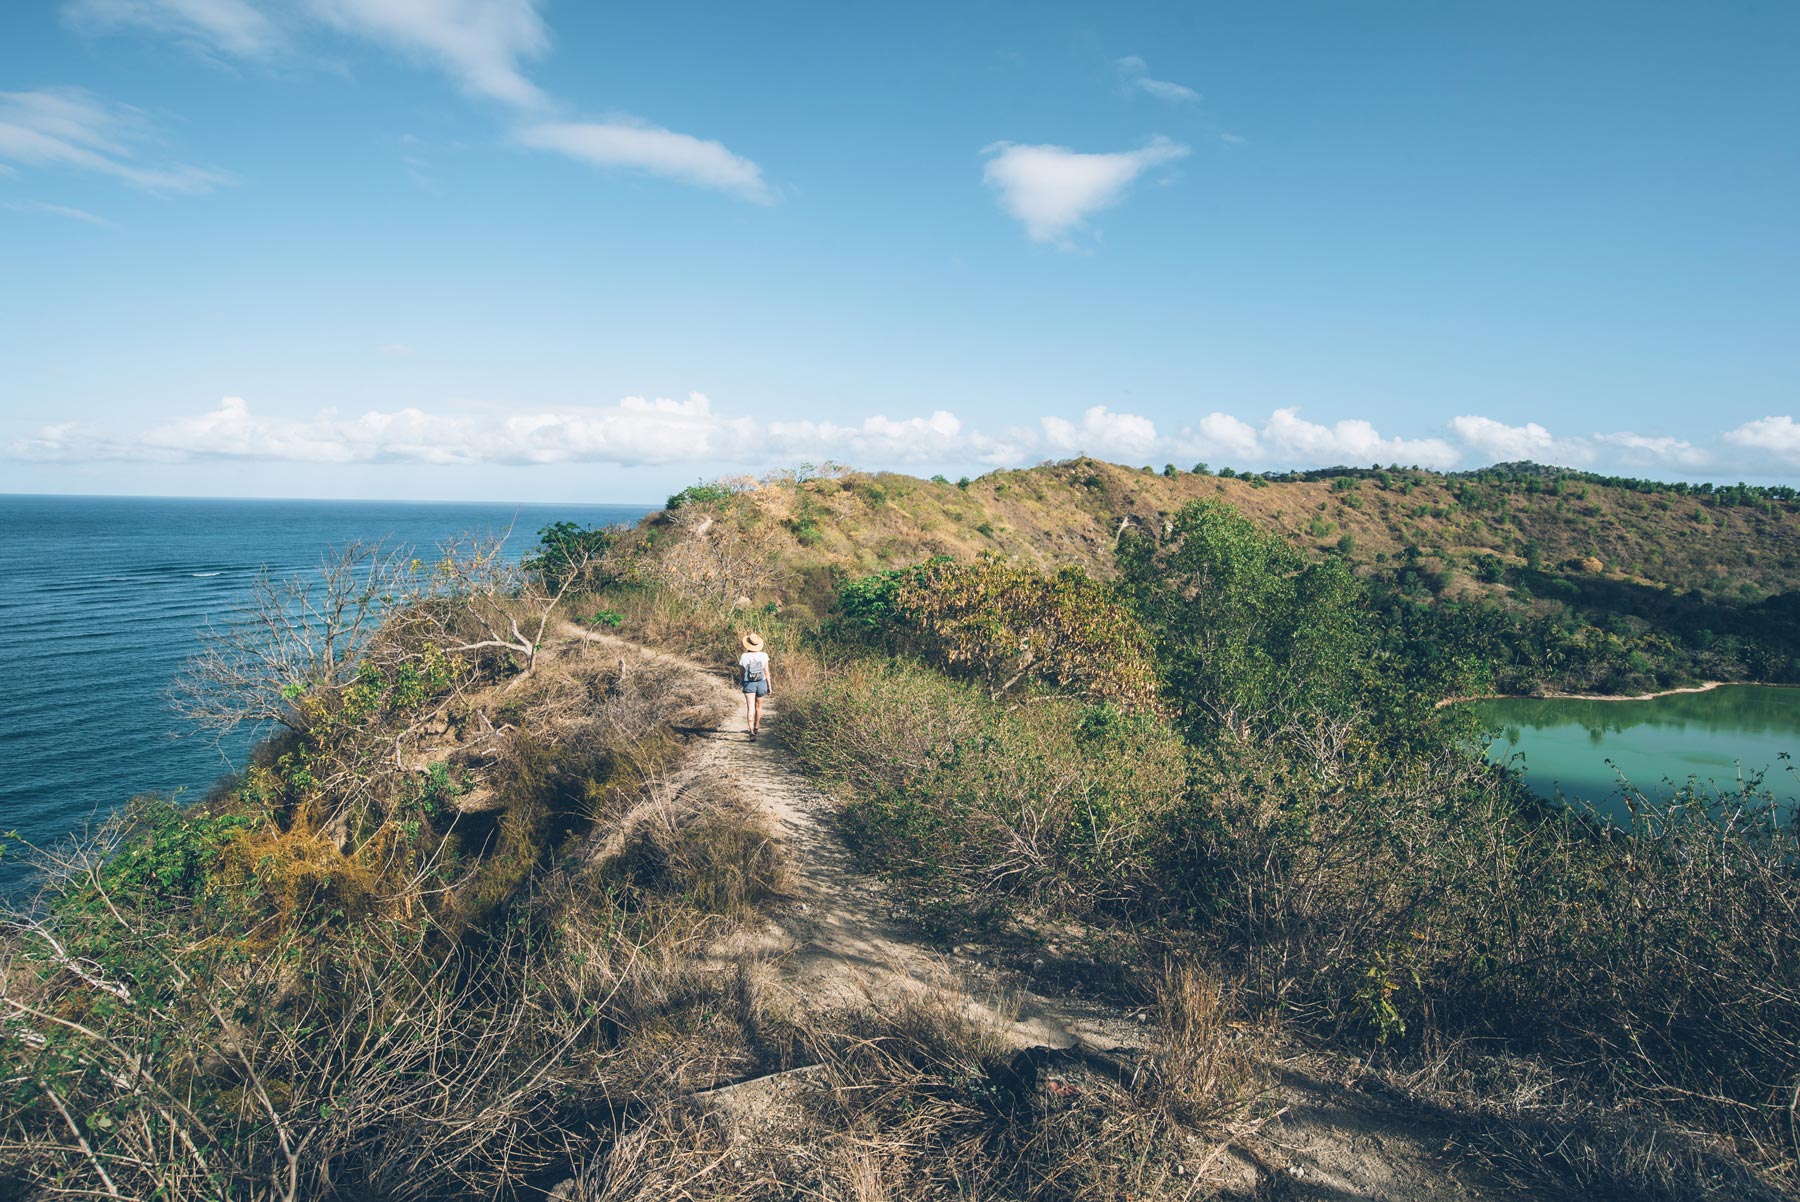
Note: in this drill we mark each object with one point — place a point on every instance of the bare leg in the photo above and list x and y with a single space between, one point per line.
756 718
750 711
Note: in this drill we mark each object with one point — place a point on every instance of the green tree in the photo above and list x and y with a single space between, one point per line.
1249 634
567 551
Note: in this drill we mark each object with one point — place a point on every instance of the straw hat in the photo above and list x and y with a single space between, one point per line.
753 642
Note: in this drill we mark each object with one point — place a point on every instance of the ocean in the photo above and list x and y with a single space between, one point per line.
100 601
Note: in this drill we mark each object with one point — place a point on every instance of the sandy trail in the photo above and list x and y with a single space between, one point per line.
841 940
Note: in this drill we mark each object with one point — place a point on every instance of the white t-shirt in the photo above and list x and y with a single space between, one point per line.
755 661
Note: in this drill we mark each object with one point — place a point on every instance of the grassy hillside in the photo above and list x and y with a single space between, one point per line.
1563 579
1744 545
1287 802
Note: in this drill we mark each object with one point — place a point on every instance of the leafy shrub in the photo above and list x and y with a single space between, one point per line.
567 549
1006 625
1248 634
702 493
1054 801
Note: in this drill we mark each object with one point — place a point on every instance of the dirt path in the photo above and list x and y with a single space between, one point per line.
842 939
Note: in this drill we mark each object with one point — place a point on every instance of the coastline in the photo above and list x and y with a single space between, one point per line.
1703 687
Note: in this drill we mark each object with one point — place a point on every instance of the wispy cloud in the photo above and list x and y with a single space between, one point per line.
73 128
50 210
481 44
1647 450
657 151
1135 74
1053 190
235 28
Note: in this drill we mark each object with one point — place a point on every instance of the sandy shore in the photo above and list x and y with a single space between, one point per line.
1705 687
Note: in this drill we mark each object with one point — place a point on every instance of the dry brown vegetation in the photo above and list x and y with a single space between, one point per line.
1071 513
423 946
474 923
461 932
918 1101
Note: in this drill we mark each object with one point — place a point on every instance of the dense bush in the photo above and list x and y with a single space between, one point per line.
1006 625
1336 840
568 551
1052 800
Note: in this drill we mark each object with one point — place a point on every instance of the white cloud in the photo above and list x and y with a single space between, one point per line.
643 147
1288 437
71 127
1216 436
1135 73
1053 189
38 206
480 43
633 431
1655 450
234 27
1498 442
640 431
1284 440
1102 433
877 439
1776 437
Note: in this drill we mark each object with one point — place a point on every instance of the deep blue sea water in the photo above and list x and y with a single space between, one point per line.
100 598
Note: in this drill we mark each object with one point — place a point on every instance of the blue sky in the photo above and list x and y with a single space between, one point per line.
508 249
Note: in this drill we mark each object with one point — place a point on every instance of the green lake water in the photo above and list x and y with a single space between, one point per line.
1709 737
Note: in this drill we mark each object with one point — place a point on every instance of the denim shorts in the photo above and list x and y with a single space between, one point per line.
758 687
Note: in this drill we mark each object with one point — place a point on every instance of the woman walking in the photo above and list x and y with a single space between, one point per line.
754 665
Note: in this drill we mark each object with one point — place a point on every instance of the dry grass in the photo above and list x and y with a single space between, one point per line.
920 1101
1069 513
332 982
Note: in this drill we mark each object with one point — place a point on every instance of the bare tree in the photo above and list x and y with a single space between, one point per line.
718 560
482 600
299 637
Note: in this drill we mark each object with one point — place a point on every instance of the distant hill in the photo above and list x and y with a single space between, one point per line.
1736 542
1580 581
